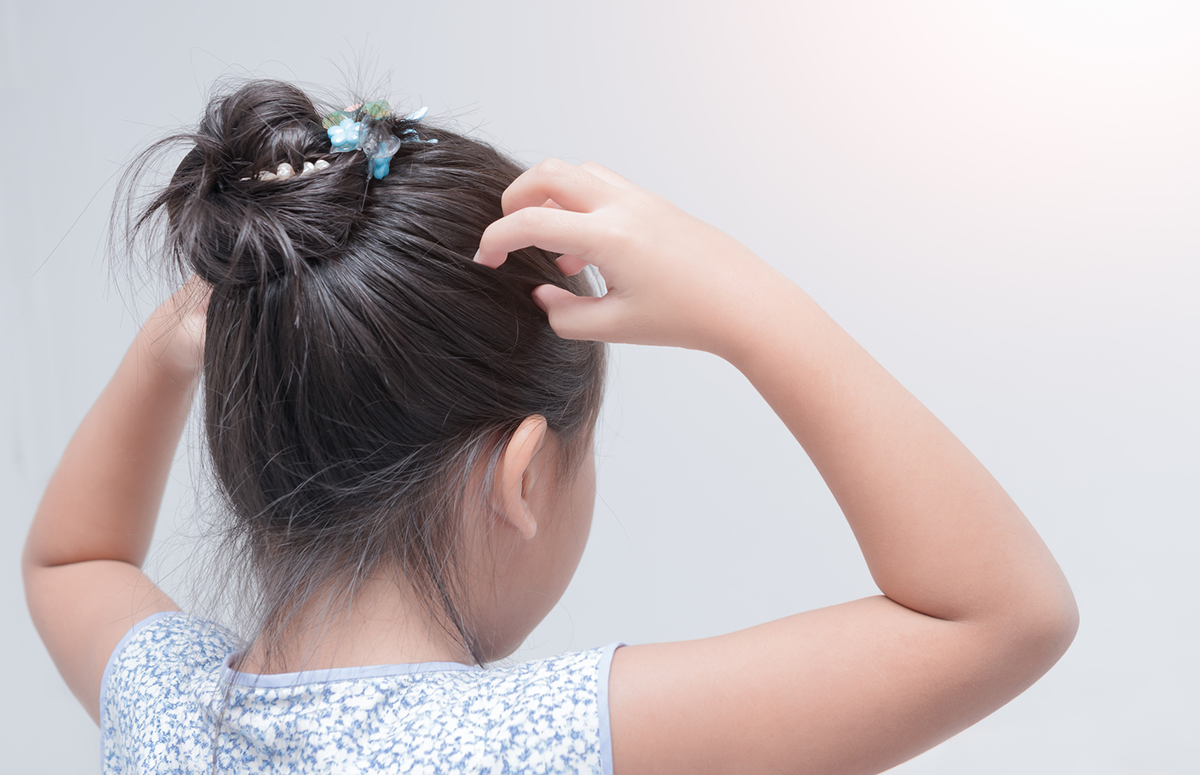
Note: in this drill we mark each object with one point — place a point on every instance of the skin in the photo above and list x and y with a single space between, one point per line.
973 606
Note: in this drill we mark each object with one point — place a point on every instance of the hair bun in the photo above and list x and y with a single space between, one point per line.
248 202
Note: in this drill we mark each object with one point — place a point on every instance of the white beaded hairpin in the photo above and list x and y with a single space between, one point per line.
285 171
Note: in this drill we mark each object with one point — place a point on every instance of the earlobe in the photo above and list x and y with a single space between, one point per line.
527 525
516 475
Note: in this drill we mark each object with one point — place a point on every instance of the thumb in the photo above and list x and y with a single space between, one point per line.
576 317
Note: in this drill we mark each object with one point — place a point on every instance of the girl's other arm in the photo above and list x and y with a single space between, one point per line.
974 607
83 556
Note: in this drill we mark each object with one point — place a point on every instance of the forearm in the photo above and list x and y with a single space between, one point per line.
939 534
102 501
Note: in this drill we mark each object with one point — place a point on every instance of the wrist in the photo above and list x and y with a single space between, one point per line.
171 341
159 363
773 315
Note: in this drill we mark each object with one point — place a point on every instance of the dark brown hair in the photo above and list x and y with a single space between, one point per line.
358 364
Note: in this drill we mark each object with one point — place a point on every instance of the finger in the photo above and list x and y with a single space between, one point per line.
571 265
559 231
607 175
578 317
569 186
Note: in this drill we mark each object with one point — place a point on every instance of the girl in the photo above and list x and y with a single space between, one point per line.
400 385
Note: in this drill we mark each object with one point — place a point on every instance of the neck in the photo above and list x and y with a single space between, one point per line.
386 624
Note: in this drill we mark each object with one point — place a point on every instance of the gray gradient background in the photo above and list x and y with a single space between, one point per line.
998 199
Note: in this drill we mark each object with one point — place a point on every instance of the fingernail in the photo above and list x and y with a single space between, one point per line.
538 302
476 257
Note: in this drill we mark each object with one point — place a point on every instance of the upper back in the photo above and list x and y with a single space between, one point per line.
169 686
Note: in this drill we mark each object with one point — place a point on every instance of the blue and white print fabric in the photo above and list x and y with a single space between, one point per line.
164 694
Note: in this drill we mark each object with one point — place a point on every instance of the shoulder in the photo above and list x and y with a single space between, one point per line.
557 705
574 671
167 641
162 654
579 677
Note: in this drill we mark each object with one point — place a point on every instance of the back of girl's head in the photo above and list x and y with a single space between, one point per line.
358 364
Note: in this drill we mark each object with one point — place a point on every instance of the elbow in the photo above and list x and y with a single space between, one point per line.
1069 619
34 561
1058 619
31 568
1063 624
28 562
1042 630
1055 635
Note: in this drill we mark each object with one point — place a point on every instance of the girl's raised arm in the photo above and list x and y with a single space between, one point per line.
974 607
82 561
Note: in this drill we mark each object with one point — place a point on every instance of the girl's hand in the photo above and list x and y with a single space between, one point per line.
672 279
173 335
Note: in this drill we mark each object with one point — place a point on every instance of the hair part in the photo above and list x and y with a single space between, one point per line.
359 365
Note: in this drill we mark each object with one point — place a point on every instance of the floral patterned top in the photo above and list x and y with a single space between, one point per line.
168 687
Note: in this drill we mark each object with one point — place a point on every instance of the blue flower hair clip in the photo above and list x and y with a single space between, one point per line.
345 135
359 128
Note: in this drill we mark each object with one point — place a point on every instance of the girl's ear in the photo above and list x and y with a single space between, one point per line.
516 475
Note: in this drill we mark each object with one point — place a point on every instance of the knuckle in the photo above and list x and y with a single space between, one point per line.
534 220
553 167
